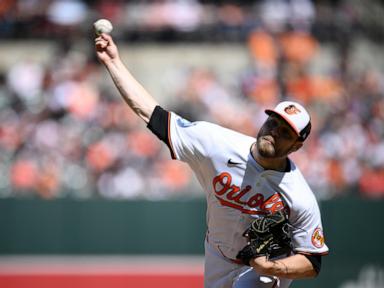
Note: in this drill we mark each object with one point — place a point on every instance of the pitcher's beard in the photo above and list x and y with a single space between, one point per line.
265 148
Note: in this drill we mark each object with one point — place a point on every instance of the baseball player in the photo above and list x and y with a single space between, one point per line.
243 178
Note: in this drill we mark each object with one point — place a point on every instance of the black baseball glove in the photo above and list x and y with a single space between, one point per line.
268 236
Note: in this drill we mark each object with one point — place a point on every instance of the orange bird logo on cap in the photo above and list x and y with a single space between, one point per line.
292 109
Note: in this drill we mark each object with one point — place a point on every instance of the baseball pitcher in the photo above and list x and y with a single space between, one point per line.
264 223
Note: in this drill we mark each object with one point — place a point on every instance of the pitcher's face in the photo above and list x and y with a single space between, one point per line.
276 138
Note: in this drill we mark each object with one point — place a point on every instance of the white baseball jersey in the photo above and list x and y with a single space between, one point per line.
237 190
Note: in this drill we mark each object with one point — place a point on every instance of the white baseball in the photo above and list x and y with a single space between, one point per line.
102 26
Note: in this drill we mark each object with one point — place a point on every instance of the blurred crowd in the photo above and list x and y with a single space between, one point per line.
64 133
189 20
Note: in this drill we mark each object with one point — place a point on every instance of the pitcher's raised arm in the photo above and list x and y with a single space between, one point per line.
133 93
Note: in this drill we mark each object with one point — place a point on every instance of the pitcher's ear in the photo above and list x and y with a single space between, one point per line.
297 146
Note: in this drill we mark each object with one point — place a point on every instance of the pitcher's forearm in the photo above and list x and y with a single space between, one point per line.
133 93
292 267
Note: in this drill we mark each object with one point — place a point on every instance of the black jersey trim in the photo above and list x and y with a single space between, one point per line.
159 124
169 141
315 261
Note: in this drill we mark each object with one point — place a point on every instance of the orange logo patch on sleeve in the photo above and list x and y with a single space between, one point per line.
318 238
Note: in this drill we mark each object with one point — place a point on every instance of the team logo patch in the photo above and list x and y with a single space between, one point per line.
184 123
292 109
318 238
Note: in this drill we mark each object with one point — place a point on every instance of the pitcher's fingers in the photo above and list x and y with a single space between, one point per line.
101 44
107 37
98 41
98 38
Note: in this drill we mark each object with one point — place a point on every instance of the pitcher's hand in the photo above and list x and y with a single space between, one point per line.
106 49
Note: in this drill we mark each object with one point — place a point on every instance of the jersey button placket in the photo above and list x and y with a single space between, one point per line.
259 180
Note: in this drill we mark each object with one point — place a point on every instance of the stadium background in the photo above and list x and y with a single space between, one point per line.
86 191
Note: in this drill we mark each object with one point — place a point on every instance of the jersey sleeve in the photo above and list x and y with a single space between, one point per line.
190 141
187 141
308 236
158 124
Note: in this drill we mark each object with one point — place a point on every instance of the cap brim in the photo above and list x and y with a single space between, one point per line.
269 112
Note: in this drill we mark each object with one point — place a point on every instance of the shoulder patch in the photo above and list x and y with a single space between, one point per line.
318 238
184 123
